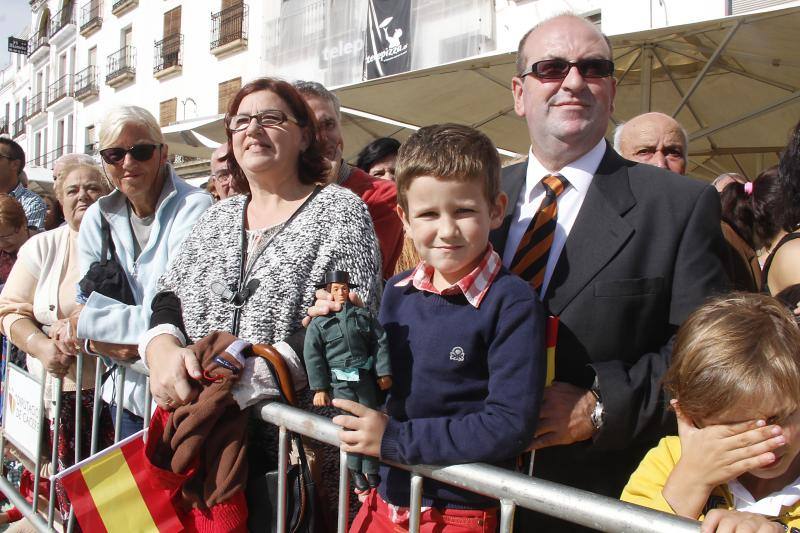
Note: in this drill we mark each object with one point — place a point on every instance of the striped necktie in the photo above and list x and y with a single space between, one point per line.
530 260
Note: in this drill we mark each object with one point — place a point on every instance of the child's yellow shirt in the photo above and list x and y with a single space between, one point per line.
647 482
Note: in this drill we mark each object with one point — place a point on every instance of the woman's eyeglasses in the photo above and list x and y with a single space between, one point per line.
558 69
140 152
265 119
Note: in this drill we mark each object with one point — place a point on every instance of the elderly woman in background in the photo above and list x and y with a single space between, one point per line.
149 214
378 158
40 294
14 231
284 233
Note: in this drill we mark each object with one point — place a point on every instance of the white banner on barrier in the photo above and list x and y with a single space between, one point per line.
21 411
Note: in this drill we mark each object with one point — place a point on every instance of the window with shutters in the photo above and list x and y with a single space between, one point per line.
167 112
227 90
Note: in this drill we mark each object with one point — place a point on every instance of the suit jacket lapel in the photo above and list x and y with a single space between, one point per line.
598 234
512 183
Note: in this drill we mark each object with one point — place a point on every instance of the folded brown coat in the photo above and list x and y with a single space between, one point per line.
207 435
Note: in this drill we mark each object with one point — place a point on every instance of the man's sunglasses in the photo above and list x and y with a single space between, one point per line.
558 69
265 119
140 152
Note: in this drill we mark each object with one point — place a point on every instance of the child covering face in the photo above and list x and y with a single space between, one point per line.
734 380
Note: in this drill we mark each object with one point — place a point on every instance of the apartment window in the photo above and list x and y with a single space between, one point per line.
168 111
92 58
60 138
227 90
172 22
89 141
70 128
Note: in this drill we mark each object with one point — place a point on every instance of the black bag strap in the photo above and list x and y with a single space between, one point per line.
305 471
244 273
107 249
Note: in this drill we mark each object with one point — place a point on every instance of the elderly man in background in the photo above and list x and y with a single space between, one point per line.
221 175
625 254
12 163
379 195
654 139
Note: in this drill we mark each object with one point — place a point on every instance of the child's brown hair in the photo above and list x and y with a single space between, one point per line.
734 349
448 152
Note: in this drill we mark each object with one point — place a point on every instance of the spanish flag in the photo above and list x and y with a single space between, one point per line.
111 491
551 339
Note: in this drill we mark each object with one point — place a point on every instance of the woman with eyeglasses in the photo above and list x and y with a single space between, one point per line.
148 215
35 305
251 264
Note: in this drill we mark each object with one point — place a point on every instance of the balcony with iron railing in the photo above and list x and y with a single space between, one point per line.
86 85
229 29
38 46
19 126
91 18
91 149
120 7
63 19
36 105
121 66
168 56
47 160
61 88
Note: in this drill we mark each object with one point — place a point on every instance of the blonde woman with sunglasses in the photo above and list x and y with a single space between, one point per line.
149 214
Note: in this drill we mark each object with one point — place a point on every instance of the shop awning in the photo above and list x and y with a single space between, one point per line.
734 84
195 137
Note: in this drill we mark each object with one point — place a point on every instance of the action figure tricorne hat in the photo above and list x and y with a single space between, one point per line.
336 276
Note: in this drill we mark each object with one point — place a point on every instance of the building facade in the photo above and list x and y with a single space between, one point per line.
183 60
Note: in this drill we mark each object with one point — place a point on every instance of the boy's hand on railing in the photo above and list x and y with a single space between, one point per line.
715 454
171 366
324 305
366 428
723 520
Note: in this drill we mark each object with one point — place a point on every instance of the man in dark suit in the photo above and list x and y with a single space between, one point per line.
633 250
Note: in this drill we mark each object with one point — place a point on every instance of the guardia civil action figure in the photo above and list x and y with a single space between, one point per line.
347 356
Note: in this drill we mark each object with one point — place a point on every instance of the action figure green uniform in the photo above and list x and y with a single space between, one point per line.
345 352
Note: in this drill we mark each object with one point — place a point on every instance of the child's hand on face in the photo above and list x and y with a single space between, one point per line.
714 455
367 427
722 520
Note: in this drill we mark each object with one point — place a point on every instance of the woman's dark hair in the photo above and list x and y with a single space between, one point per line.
790 297
375 151
737 211
788 217
768 203
311 165
57 209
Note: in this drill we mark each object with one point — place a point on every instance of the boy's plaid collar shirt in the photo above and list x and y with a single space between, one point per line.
474 285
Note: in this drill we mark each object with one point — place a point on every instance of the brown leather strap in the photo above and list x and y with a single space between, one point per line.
284 377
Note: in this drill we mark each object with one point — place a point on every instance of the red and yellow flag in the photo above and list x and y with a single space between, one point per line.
110 492
551 339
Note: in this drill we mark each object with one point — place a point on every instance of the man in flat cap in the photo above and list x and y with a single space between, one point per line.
345 352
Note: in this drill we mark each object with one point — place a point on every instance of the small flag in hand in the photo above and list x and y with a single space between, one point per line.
110 492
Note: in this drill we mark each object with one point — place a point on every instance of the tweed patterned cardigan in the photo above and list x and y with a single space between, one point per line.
333 232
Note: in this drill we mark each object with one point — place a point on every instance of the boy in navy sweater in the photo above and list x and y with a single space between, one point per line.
466 339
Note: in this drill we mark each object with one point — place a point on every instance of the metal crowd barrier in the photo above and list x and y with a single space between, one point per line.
34 465
512 489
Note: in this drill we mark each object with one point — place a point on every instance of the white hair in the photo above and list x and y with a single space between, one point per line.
119 117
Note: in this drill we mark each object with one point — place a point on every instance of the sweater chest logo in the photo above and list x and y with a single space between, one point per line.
457 354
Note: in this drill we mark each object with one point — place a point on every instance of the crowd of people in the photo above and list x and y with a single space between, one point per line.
671 303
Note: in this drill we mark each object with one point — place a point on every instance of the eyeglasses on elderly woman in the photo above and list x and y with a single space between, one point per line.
140 152
265 119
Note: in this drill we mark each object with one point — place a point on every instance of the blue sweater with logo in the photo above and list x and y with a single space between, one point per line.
467 383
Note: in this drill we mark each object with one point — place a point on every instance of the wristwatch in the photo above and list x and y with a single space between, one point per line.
596 416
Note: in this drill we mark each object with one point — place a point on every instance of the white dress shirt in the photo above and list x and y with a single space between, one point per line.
579 174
